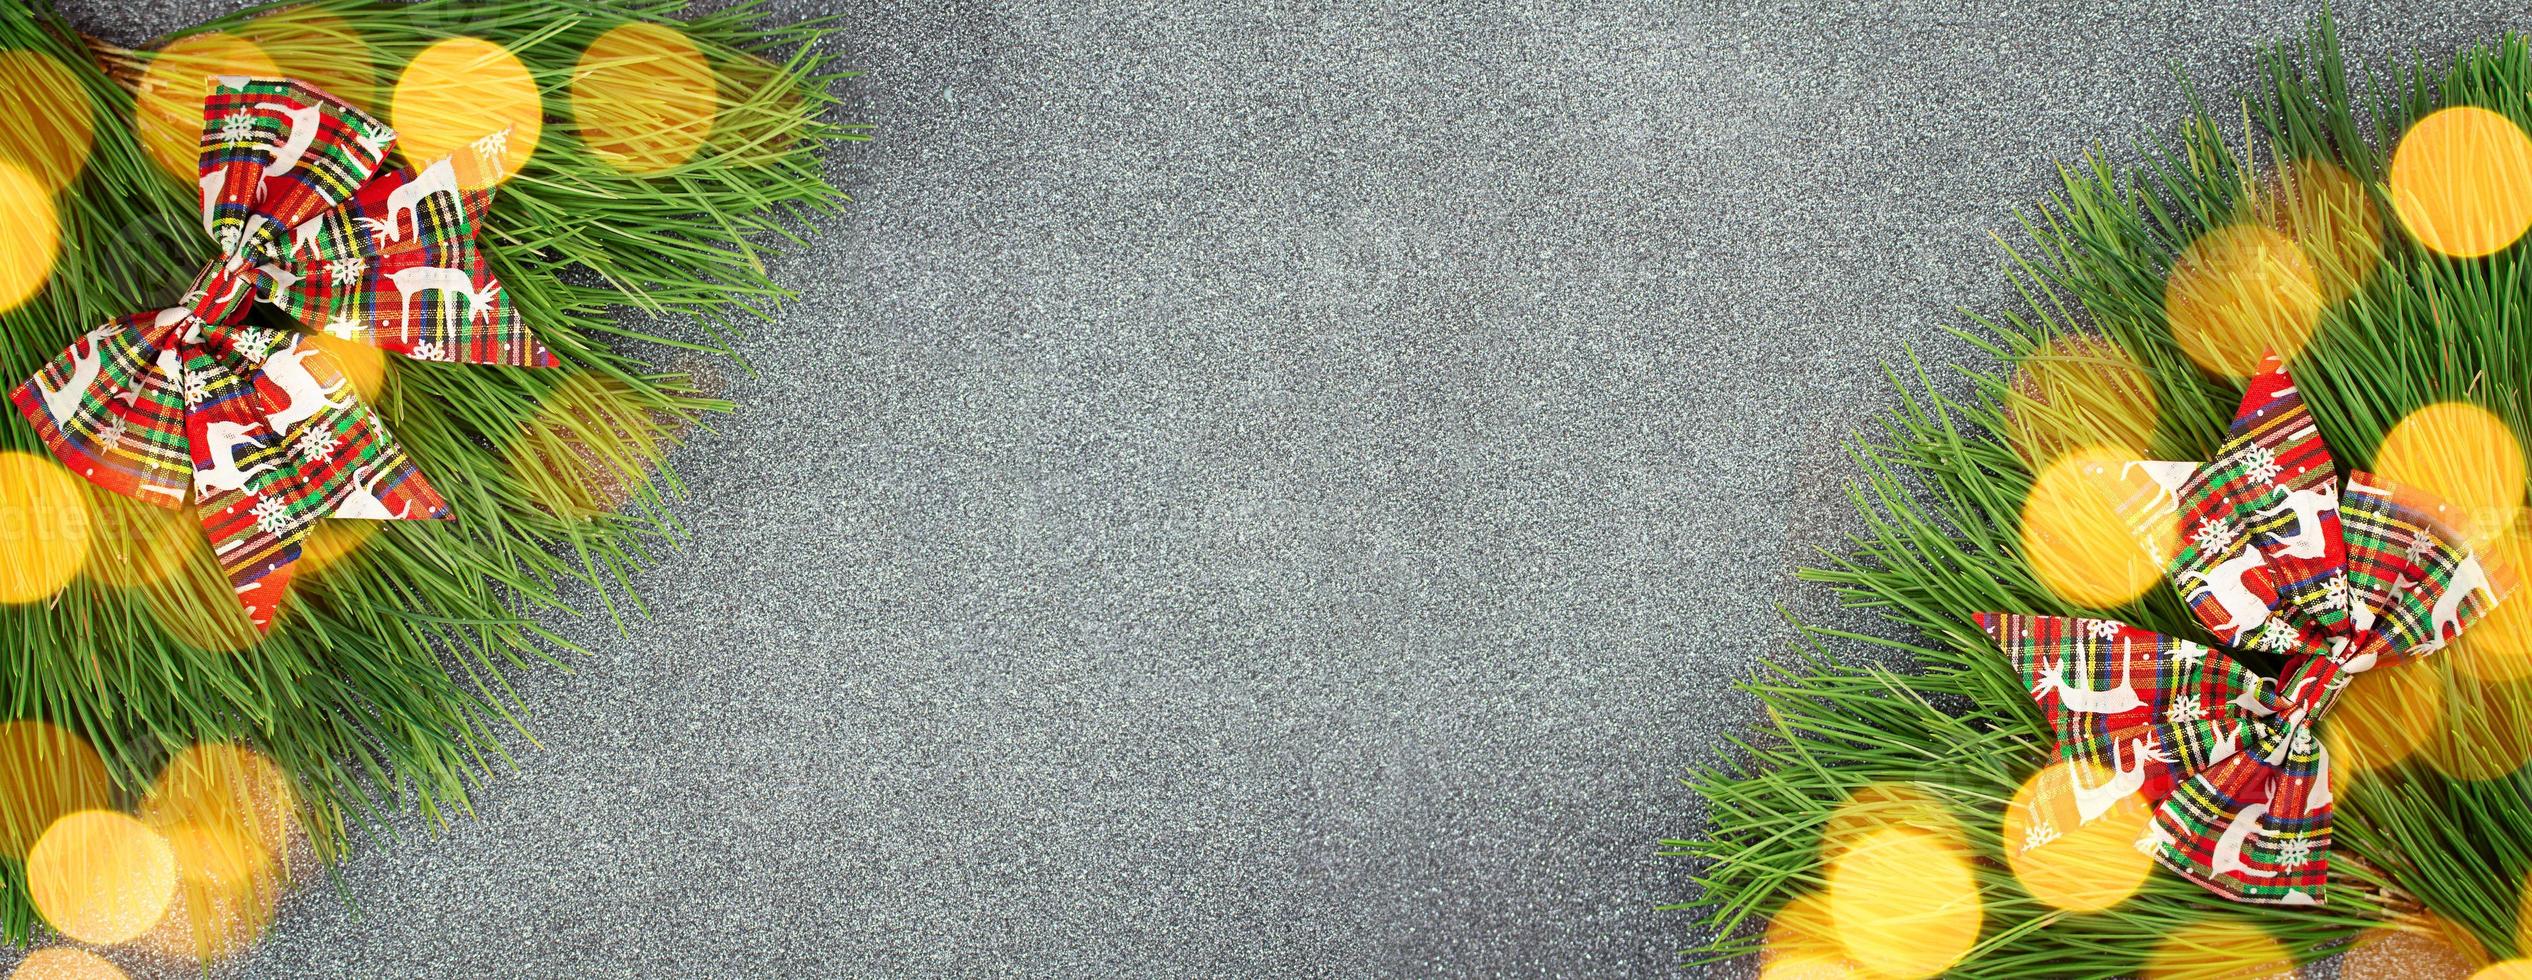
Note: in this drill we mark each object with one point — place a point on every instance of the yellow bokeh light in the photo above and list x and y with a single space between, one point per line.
31 241
51 125
2461 181
2422 948
2066 861
2507 970
228 788
2466 457
133 544
2487 729
44 527
2332 216
2076 537
643 98
1802 944
1880 806
168 103
2238 293
364 365
227 891
2499 646
46 772
2219 950
1905 901
66 963
2079 390
473 102
2383 717
101 877
320 49
591 446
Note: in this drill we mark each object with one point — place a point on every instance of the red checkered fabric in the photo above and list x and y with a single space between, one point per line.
254 427
2275 556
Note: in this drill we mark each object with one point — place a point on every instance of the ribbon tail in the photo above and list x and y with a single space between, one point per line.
2254 827
110 409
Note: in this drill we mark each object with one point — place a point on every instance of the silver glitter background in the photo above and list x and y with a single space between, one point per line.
1268 488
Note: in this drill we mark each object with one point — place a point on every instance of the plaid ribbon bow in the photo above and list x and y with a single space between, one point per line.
2280 559
259 425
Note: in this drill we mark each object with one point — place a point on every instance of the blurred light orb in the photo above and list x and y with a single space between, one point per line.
52 125
2240 291
2461 181
473 102
1905 901
2219 950
228 888
2065 861
2075 533
31 242
168 103
2486 731
134 544
2414 948
1880 806
2383 717
228 788
643 98
2331 214
46 773
2499 646
2464 455
2079 390
2519 969
101 877
44 527
1802 944
66 963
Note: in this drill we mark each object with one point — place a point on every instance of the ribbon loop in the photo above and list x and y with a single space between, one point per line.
258 428
2277 557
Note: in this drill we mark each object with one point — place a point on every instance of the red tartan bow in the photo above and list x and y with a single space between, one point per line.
259 425
2277 558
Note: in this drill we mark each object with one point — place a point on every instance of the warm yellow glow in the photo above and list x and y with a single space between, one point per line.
1879 806
320 49
30 241
2508 970
2063 860
2466 457
134 544
46 772
2079 390
101 877
2487 729
472 101
591 446
2331 215
2499 646
2420 948
2219 950
44 527
2382 717
51 127
1802 944
169 101
226 788
66 963
2076 538
643 97
1905 901
2461 181
227 890
2239 292
364 365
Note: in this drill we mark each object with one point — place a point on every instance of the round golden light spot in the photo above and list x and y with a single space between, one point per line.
761 113
2382 717
364 365
2331 215
226 893
51 124
2079 390
101 877
2498 647
2064 860
2507 970
2219 950
320 49
225 788
2075 534
1880 806
168 104
46 773
472 101
2239 292
1905 901
643 97
2486 731
2466 457
31 240
134 544
66 963
2461 181
44 527
332 541
1802 944
591 446
2421 948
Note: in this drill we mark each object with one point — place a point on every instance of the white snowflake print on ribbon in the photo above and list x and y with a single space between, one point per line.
345 273
236 127
2215 534
255 343
2260 464
316 443
2040 834
194 389
2294 852
427 351
2101 629
344 328
2276 637
272 515
2185 708
2186 652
